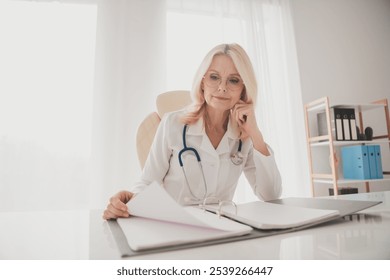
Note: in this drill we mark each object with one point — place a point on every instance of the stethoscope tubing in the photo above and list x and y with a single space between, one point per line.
195 152
187 149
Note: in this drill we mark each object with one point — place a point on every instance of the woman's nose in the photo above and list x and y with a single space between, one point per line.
222 86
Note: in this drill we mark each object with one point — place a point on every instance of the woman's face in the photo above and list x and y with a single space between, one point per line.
222 85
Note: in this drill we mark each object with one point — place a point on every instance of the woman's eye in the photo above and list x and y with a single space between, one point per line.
214 77
234 81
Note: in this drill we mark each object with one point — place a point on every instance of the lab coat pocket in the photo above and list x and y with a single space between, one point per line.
229 174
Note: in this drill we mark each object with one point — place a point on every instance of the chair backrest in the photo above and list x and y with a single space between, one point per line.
165 102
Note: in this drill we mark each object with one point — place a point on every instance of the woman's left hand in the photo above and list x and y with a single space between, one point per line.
244 114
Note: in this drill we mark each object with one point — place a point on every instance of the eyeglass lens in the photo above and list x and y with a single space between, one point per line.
214 80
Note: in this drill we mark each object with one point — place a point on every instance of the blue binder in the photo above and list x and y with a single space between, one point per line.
372 158
355 162
379 171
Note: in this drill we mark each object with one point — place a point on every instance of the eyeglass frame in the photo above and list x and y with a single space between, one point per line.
226 83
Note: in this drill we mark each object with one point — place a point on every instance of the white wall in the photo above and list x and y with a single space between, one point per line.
343 49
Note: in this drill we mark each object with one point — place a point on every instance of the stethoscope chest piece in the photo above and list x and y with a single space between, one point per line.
237 158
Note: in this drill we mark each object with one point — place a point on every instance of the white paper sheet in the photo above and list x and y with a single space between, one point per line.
155 203
159 221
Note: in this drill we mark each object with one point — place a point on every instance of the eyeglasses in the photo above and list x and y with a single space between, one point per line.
213 80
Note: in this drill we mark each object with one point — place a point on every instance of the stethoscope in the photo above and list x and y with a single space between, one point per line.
237 158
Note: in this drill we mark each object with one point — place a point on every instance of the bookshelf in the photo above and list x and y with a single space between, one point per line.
324 150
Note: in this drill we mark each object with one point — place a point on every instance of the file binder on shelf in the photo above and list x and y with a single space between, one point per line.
355 162
378 161
345 124
344 190
372 162
352 125
362 162
338 124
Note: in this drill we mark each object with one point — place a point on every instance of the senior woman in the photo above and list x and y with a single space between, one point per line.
200 152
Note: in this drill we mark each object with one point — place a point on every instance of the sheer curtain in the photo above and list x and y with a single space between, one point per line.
265 29
46 74
129 73
72 95
71 101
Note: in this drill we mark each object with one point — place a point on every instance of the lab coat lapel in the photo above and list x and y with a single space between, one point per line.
231 136
205 146
197 129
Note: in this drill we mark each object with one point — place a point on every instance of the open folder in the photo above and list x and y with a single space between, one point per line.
159 221
265 215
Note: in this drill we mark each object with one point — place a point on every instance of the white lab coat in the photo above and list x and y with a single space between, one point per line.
221 175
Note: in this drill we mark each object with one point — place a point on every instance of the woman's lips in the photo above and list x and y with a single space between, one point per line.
221 98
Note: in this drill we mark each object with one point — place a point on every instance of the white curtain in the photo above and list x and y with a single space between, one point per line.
78 142
71 101
129 73
265 29
46 74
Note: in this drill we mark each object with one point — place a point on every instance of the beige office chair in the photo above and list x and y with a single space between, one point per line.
165 102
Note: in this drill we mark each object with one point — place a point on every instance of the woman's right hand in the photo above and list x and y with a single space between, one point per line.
117 207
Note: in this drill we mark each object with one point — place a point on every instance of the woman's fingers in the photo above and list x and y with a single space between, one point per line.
241 112
112 213
117 206
118 203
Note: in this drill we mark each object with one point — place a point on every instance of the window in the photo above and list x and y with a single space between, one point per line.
47 66
183 29
264 29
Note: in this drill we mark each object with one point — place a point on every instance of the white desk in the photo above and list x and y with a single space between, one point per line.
83 234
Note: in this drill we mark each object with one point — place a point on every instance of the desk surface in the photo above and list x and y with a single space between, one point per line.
82 234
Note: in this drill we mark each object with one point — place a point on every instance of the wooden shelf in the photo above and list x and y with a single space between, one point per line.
322 105
348 181
319 138
318 106
349 143
360 107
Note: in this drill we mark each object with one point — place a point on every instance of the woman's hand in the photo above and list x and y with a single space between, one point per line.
117 207
244 114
